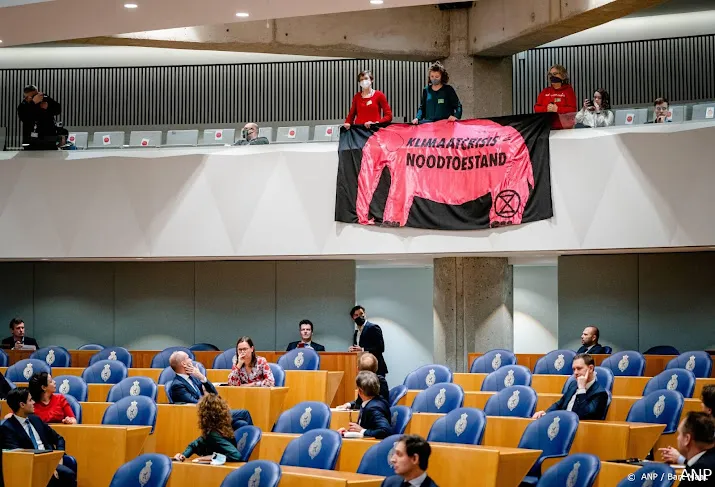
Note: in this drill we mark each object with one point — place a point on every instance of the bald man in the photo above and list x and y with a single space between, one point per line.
250 136
589 341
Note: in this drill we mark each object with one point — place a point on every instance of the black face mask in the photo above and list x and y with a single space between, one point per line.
556 80
360 320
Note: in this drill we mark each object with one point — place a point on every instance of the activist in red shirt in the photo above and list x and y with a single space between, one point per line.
369 106
559 97
49 407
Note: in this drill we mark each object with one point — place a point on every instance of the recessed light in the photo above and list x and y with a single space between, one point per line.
241 14
377 2
131 5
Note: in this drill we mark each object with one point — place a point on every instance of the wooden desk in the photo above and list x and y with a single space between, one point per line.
21 468
264 403
540 383
612 473
101 450
318 385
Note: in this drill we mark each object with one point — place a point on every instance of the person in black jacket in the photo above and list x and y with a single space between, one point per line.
306 338
589 341
696 441
368 338
410 461
367 361
37 113
18 338
585 396
25 430
250 136
374 418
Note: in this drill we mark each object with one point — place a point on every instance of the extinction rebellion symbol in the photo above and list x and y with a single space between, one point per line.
507 203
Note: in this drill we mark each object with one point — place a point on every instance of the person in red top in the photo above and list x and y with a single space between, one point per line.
369 106
559 97
250 370
49 407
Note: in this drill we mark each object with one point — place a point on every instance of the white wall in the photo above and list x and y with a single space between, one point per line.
535 309
399 299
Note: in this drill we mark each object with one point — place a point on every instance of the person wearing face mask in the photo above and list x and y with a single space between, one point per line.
250 136
369 106
596 113
368 338
439 100
558 97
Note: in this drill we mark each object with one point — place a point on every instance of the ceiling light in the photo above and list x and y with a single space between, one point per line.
131 5
377 2
241 14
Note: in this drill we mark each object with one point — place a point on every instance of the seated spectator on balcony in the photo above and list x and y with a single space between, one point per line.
250 136
558 97
661 112
369 106
49 407
596 112
250 370
439 100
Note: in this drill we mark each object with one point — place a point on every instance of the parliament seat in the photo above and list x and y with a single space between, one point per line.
247 437
113 353
295 134
400 417
439 398
105 372
72 385
303 417
579 470
145 138
376 460
626 363
226 360
168 373
75 406
148 470
516 401
22 370
203 347
604 377
680 380
427 375
218 137
698 362
658 407
318 448
553 434
300 359
133 386
161 359
4 360
507 376
53 356
397 393
662 350
556 362
279 375
258 473
461 426
91 346
659 474
132 411
108 140
182 138
492 360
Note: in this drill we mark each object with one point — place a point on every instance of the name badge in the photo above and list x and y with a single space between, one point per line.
440 101
557 100
369 102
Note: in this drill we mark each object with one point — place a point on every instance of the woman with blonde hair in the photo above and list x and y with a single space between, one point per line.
216 432
559 96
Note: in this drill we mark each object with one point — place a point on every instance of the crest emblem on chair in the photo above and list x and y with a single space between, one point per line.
509 379
145 474
393 421
315 447
112 355
429 380
242 442
305 417
573 475
553 430
106 372
496 361
390 454
672 383
691 363
623 363
50 359
255 480
298 362
559 362
27 373
441 398
135 389
132 411
65 386
461 424
513 401
659 406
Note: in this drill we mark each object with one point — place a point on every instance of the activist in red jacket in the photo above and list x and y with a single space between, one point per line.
369 106
559 97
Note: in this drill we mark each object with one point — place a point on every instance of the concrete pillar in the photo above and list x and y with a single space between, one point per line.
473 308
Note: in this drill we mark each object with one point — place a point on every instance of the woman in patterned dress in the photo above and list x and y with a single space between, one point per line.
250 370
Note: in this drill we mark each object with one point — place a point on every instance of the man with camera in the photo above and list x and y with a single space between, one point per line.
37 113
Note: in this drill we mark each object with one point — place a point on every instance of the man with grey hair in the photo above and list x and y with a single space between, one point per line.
374 417
249 136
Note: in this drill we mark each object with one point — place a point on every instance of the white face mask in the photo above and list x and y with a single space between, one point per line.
366 83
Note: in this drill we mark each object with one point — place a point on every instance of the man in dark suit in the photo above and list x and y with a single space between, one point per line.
190 384
25 430
367 361
584 396
589 341
696 442
18 338
707 398
368 338
306 338
410 460
374 418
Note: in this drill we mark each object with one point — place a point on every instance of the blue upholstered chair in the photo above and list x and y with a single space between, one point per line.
507 376
226 360
105 372
698 362
203 347
463 426
492 360
680 380
75 406
397 393
660 474
53 356
315 449
133 386
400 417
427 375
439 398
131 411
607 349
376 459
303 417
91 346
578 470
279 374
300 359
658 407
553 434
603 376
168 373
516 401
22 370
113 353
263 473
167 388
71 385
627 363
557 362
662 350
10 383
148 470
161 359
247 437
4 360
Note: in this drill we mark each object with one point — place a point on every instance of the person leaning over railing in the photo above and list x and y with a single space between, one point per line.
369 106
439 101
596 112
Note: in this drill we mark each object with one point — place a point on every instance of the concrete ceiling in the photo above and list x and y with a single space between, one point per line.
71 19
